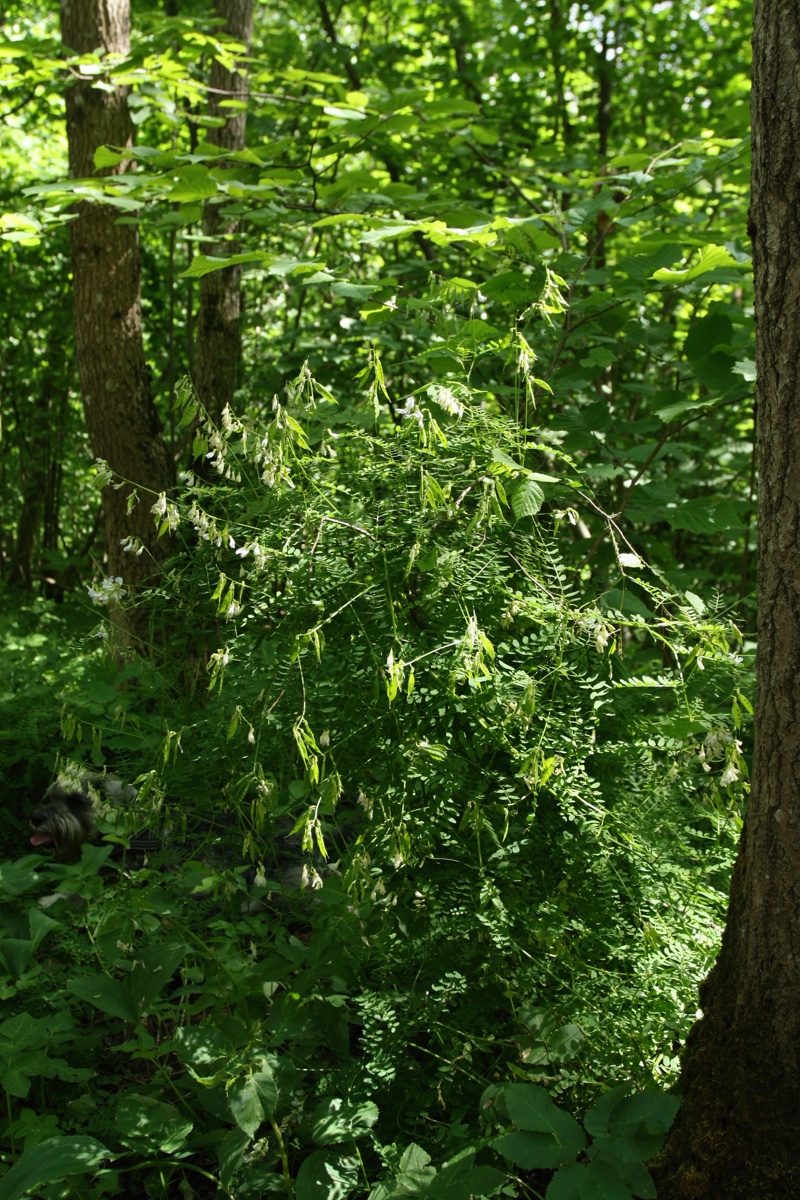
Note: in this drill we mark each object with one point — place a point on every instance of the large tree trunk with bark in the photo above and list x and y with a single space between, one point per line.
120 415
218 320
736 1135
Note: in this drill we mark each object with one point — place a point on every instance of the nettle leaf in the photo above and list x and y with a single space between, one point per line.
526 499
711 257
252 1099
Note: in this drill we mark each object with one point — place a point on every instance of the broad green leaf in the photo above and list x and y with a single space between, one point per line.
531 1107
146 1123
707 335
51 1161
633 1174
704 516
566 1183
354 291
326 1175
202 1048
252 1099
153 971
711 257
203 264
109 995
539 1151
715 371
415 1172
670 411
16 953
338 1120
526 499
104 156
652 1108
191 183
599 1115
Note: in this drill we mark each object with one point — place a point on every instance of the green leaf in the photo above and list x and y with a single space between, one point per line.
539 1151
707 334
415 1173
203 264
324 1175
354 291
201 1048
252 1099
51 1161
652 1108
191 183
599 1115
16 953
104 156
526 499
145 1123
109 995
705 516
153 971
711 257
566 1183
337 1120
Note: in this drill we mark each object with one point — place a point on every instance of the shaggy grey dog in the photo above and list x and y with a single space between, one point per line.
67 816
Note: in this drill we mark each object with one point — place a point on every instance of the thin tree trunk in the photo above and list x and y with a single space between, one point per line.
120 415
736 1134
218 318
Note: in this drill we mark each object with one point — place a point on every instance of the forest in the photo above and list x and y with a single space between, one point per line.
379 475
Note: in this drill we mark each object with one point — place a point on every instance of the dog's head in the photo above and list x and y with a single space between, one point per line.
65 820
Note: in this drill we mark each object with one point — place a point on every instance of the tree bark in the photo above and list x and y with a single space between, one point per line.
736 1133
120 415
218 319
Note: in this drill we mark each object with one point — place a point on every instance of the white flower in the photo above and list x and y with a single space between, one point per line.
324 739
163 509
110 590
729 775
446 399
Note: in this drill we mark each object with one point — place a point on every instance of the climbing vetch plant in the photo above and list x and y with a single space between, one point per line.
397 663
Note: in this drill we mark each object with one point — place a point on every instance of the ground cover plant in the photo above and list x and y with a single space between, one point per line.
383 652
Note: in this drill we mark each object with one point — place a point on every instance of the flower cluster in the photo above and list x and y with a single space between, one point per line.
110 591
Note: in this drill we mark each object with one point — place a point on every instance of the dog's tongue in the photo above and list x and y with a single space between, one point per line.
41 839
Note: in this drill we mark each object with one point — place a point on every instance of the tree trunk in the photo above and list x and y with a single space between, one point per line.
736 1133
120 415
218 332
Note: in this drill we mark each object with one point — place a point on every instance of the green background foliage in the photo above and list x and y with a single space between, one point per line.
459 629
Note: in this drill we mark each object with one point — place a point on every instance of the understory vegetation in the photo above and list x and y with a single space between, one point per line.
439 708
